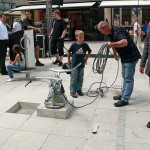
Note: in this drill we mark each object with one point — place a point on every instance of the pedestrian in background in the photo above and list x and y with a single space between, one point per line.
78 51
57 34
145 26
3 43
122 45
16 25
145 60
137 35
28 24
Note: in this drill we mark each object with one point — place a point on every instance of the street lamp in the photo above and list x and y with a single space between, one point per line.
48 22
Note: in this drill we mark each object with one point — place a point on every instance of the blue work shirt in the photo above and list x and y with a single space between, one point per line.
129 53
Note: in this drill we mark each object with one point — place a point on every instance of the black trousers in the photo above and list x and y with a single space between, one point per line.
3 50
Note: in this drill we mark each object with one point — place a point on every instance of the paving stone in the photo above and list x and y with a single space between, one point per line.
39 124
137 134
5 134
136 118
12 121
106 116
91 144
73 128
85 114
22 140
137 146
57 142
106 131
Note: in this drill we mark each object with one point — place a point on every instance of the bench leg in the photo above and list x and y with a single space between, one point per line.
27 74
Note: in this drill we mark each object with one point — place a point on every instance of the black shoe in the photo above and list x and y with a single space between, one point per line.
118 97
60 64
74 95
4 73
38 63
55 62
80 93
120 104
148 124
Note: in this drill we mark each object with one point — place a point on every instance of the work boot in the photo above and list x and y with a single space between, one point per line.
120 104
38 63
80 93
118 97
73 94
148 124
55 62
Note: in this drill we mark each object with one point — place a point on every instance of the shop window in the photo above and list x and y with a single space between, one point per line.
126 17
145 14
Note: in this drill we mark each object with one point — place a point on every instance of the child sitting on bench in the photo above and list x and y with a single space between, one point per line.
17 65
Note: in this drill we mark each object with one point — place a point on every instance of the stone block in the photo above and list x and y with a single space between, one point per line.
62 113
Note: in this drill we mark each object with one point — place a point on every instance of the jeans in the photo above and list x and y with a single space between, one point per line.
11 67
76 81
128 71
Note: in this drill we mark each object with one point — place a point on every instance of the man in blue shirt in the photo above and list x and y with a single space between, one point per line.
124 47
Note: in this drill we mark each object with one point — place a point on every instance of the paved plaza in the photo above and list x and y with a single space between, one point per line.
119 128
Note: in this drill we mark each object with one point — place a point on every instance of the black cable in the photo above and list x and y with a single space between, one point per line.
99 65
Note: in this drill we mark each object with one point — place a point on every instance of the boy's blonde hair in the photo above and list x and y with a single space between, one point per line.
79 32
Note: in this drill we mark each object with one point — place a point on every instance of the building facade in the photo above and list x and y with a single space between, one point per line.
10 4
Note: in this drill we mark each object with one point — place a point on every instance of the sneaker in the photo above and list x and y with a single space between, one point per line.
74 95
55 62
38 63
60 64
7 77
120 104
118 97
80 93
10 79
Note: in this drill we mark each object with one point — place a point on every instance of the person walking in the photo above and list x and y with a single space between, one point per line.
78 51
124 47
28 24
17 65
57 34
3 43
137 35
145 61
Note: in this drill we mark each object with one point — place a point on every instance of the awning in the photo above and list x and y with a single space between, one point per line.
29 7
77 5
124 3
12 13
64 1
71 5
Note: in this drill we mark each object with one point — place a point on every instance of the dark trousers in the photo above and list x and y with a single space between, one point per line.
3 50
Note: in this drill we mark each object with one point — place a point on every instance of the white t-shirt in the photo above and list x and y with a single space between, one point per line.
137 27
3 32
16 26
